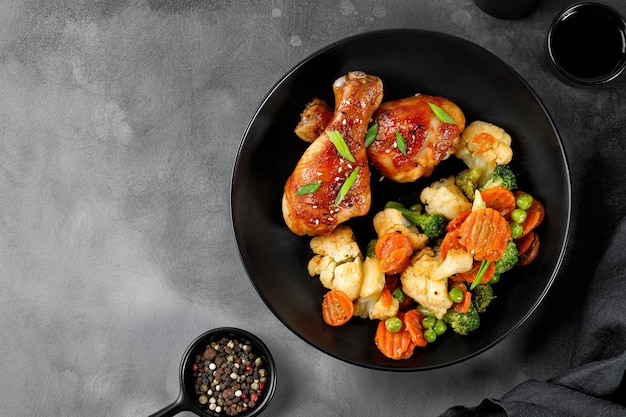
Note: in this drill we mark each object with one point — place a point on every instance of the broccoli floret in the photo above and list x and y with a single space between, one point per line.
463 323
508 259
467 181
502 176
432 225
370 251
482 296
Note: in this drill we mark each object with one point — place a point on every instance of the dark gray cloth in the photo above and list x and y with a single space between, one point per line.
595 384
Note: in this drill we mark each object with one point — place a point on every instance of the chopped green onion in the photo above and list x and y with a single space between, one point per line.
400 142
309 188
441 114
340 144
481 273
370 136
423 310
347 185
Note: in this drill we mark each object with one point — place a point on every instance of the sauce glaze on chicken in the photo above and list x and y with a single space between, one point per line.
357 96
427 139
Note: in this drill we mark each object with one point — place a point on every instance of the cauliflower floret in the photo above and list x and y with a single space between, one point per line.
391 220
338 261
340 245
444 197
373 279
370 304
457 260
384 308
484 145
425 280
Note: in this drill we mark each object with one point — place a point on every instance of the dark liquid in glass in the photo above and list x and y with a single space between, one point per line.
589 44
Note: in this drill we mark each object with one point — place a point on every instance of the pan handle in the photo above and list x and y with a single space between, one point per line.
172 409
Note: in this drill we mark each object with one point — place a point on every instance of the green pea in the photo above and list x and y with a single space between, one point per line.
516 229
456 295
398 294
416 208
495 279
524 201
430 335
518 215
393 324
429 322
440 327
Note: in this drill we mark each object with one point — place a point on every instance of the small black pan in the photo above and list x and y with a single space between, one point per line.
188 398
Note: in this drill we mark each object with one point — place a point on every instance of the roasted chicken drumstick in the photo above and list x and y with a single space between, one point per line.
331 182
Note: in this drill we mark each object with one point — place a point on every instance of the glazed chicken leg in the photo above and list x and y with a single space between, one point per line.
326 187
426 139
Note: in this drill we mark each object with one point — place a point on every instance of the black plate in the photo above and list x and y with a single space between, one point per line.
408 62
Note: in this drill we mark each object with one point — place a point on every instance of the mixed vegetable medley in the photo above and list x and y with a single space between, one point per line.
434 265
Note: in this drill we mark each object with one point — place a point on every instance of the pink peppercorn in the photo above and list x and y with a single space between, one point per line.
218 385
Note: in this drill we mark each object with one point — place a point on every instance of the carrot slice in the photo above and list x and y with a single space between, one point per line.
523 243
391 282
413 323
407 304
531 253
485 234
464 305
458 220
394 345
483 142
337 308
534 216
450 241
393 251
500 199
470 275
386 297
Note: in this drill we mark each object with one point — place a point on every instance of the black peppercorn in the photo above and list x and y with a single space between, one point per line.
229 377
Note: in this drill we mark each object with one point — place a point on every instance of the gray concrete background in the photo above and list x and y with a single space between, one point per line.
119 126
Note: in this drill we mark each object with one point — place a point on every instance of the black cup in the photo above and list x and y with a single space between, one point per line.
587 44
188 399
508 9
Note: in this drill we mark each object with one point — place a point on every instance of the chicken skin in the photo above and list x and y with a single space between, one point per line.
411 139
313 120
330 185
